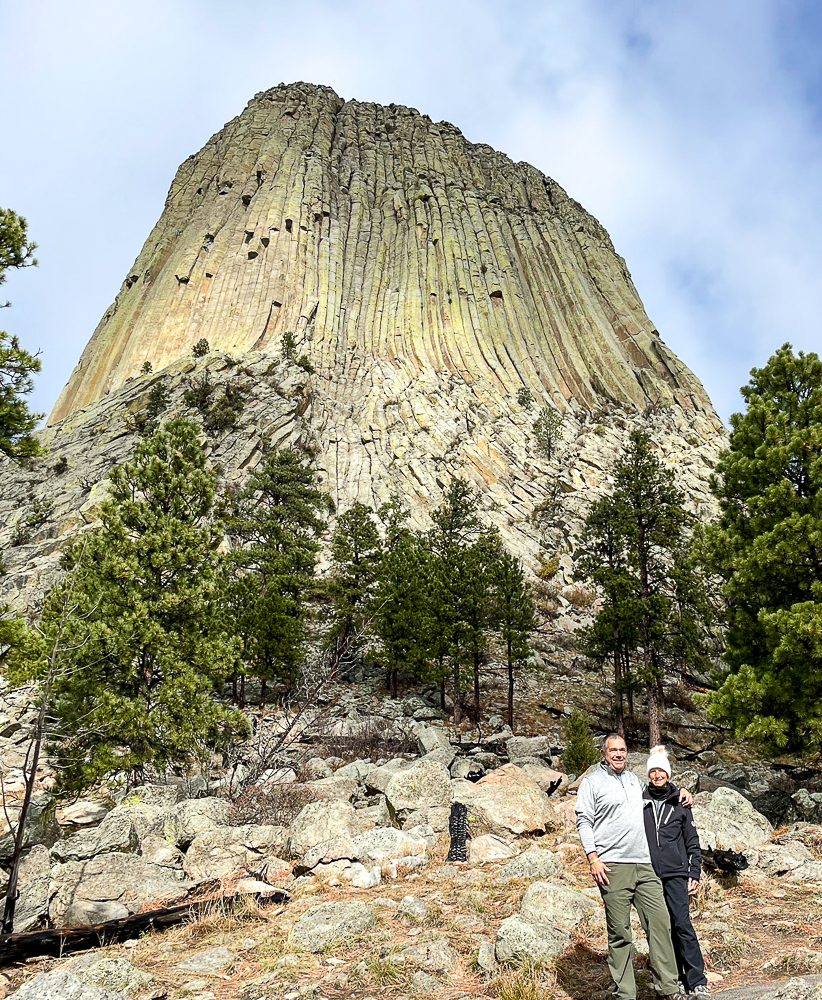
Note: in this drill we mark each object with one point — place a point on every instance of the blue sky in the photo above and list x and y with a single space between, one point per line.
692 131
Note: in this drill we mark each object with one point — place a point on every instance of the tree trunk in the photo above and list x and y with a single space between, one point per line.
442 694
476 687
457 693
656 697
510 689
263 692
242 691
620 714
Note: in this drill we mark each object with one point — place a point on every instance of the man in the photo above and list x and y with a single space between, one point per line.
609 811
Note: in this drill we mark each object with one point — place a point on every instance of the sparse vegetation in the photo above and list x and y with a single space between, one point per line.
38 512
227 409
525 397
201 348
146 368
547 428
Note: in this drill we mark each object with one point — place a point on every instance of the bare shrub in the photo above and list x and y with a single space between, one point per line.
278 805
376 737
579 596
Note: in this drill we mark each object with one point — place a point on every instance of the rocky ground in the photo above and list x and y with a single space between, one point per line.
353 823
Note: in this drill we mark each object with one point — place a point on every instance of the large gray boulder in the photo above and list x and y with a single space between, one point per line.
184 821
226 849
146 819
32 909
84 812
430 954
424 784
328 923
110 973
62 985
556 904
321 821
126 880
508 800
520 940
727 820
793 989
528 746
116 834
533 863
376 780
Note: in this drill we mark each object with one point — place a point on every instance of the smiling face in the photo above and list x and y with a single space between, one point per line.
615 753
657 777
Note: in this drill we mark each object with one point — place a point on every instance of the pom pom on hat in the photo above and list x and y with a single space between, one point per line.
659 758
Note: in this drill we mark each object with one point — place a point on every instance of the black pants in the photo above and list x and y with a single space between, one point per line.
689 961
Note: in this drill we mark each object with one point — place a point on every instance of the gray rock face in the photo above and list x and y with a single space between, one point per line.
507 800
228 849
556 904
424 784
32 907
322 821
327 923
264 233
534 863
184 821
123 879
41 825
110 973
520 940
159 795
528 746
116 833
432 954
412 908
794 989
727 820
208 962
62 985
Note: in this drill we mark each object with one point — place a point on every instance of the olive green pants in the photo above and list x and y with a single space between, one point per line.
638 885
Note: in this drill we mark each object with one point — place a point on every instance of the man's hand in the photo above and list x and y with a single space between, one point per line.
685 797
598 869
693 885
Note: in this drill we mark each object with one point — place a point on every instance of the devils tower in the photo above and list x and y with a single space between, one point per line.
391 247
394 301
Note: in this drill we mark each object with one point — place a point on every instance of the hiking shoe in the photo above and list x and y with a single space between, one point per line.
701 991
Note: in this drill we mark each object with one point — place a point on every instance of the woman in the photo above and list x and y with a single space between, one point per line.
675 855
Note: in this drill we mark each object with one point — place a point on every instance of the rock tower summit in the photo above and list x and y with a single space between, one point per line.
400 256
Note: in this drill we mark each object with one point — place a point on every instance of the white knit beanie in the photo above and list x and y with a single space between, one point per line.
659 758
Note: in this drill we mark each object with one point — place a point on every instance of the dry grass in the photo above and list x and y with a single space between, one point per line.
523 982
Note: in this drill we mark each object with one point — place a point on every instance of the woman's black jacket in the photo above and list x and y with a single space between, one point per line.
672 836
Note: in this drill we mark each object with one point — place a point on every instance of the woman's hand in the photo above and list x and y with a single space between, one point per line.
685 797
693 885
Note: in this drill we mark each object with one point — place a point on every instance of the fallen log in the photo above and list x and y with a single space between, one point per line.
60 940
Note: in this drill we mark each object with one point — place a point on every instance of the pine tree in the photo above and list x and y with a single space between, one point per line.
143 648
635 552
580 752
275 522
399 602
16 364
513 616
355 554
767 547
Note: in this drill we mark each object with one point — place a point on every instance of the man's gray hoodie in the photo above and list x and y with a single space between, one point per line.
609 816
